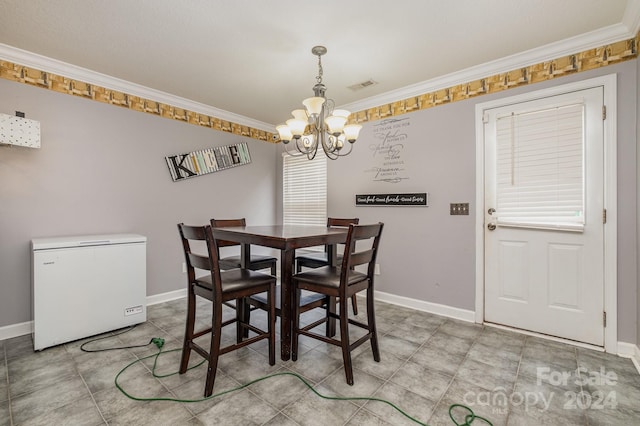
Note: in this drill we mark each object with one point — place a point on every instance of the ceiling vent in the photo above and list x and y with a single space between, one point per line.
362 85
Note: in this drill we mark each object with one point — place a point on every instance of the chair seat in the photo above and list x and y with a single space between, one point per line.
306 298
255 258
328 276
236 280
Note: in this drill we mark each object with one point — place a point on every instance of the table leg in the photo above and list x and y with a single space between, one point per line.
245 255
242 305
286 298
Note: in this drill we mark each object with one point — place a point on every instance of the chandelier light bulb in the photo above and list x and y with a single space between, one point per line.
335 124
297 127
341 113
285 133
300 114
314 105
351 132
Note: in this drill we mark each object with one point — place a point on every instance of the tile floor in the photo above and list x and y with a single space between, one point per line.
428 363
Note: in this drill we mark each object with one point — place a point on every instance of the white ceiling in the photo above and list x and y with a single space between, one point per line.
253 57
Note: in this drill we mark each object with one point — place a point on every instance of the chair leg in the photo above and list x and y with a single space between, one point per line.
344 340
188 333
354 304
295 323
331 321
243 316
371 322
214 350
272 324
273 269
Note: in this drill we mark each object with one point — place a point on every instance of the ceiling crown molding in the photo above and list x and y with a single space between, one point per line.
631 17
54 66
580 43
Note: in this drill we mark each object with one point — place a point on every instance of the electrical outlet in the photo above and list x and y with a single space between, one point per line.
459 209
376 271
184 267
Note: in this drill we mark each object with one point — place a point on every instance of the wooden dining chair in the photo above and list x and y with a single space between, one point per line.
318 259
256 262
219 287
343 282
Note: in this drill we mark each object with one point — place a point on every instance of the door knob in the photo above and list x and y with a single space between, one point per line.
491 226
491 211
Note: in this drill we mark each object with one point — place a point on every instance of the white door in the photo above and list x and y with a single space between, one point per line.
544 199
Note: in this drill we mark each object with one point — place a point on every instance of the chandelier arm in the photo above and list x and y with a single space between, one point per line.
309 151
337 152
292 153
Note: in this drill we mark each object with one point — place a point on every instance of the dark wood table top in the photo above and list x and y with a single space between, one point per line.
283 237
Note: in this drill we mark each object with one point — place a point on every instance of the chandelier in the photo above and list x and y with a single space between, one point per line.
319 124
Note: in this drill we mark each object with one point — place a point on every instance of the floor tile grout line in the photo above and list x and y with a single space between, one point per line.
75 365
466 356
90 394
407 360
515 382
6 368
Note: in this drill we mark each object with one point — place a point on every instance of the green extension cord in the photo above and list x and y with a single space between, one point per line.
469 418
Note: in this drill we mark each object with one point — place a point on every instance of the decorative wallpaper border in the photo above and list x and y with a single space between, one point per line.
548 70
587 60
57 83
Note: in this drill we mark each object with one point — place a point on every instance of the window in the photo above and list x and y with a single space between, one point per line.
304 190
540 168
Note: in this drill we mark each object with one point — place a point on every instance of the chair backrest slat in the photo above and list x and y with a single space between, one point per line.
341 222
361 257
353 256
199 261
209 261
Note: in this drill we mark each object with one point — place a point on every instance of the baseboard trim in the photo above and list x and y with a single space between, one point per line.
629 350
16 330
421 305
166 297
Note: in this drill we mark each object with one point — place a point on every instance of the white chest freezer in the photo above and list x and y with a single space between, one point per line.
86 285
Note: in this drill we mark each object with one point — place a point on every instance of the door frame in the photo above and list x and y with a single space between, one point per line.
608 82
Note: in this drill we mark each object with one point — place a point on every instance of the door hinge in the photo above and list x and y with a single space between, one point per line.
604 112
604 318
604 215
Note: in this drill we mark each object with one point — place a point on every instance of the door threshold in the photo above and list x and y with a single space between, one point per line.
547 337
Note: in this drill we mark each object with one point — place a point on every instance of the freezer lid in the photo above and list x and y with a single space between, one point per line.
85 241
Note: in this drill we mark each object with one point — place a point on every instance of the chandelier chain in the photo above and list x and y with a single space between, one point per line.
319 77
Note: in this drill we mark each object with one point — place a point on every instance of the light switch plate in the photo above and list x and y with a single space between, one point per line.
459 209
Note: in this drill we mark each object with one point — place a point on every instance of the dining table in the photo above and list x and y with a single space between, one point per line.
286 238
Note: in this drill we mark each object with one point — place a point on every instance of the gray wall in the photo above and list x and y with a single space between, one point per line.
101 169
428 255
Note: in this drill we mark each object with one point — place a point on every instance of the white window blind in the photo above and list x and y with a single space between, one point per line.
305 190
540 168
